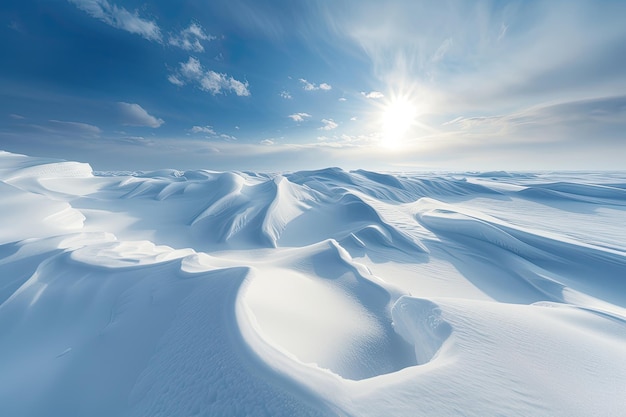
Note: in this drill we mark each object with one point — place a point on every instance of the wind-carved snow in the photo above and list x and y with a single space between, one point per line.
315 293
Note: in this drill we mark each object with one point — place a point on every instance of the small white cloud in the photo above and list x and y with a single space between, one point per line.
175 80
189 38
210 81
286 95
309 86
228 138
16 116
267 142
191 69
203 129
354 118
135 115
343 99
241 89
299 117
373 94
329 124
120 18
211 133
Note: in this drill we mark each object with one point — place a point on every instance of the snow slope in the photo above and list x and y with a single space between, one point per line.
317 293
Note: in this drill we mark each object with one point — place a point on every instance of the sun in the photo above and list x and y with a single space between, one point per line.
397 118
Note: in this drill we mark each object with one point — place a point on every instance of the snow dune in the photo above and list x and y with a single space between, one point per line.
314 293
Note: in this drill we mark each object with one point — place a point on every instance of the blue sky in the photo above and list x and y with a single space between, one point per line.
283 85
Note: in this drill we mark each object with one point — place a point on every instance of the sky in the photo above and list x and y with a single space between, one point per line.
284 85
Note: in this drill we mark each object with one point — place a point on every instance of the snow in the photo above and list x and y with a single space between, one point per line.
314 293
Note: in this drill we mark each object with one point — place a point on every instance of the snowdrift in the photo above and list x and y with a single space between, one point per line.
314 293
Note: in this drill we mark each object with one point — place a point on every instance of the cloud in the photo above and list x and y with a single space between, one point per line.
465 56
16 116
299 117
207 80
81 129
228 138
120 18
191 69
329 124
175 80
189 38
61 129
309 86
203 129
267 142
598 121
442 50
343 99
134 115
211 133
285 94
373 95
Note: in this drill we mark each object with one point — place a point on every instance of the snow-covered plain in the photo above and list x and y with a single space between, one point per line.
317 293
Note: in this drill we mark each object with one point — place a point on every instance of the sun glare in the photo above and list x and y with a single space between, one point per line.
397 118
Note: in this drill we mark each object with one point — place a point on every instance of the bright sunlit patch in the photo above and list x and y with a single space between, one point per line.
398 117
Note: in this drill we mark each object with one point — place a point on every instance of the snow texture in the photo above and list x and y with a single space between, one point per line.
317 293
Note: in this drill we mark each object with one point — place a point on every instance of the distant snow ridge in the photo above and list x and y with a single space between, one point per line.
314 293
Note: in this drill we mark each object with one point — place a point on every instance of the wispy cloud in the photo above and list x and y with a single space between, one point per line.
267 142
373 95
328 124
461 56
299 117
66 130
120 18
16 116
82 129
602 119
135 115
228 138
175 80
192 72
203 129
190 38
309 86
442 50
285 94
210 133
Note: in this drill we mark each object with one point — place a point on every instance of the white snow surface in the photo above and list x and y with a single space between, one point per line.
318 293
